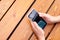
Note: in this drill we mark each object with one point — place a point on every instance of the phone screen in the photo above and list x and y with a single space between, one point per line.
34 16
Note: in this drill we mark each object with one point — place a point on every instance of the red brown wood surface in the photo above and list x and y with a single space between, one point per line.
4 5
24 30
25 26
13 16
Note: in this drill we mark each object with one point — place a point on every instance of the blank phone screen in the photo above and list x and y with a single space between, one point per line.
41 23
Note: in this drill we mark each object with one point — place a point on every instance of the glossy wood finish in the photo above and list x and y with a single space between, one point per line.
4 5
39 7
14 18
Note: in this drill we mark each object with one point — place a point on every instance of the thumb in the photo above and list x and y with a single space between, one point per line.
43 15
36 27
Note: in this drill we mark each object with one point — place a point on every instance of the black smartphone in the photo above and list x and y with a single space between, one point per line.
34 16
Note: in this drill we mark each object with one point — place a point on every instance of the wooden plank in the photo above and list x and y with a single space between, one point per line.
4 5
33 37
55 34
23 31
25 26
13 16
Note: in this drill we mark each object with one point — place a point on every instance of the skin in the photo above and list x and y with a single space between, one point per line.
49 19
38 31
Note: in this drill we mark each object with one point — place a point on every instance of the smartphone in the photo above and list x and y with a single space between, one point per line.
34 16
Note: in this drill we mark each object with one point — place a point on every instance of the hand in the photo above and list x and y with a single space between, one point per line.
38 31
48 18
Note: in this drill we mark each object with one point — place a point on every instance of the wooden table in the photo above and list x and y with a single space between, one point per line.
14 24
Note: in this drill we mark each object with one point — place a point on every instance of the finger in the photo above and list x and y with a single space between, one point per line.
33 26
43 15
36 26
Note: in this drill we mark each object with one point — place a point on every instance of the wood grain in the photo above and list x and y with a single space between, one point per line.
25 26
4 5
13 16
24 30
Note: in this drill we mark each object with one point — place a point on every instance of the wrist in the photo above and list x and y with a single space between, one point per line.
41 38
57 19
